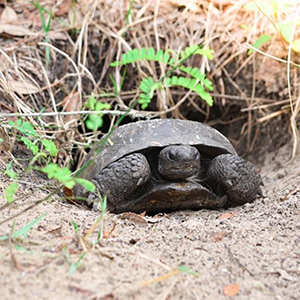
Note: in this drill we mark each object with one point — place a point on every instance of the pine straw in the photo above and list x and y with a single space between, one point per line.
260 84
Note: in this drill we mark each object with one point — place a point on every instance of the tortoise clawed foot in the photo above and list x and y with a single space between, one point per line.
237 177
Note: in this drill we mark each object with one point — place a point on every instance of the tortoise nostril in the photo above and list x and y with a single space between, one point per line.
171 154
197 155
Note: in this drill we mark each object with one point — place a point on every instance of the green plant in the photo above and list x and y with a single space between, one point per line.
95 121
38 145
11 189
197 81
22 233
76 265
280 15
45 148
45 26
64 176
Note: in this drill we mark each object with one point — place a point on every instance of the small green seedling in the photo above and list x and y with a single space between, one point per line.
11 189
76 265
22 233
45 26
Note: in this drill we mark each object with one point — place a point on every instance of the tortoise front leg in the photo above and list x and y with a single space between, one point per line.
237 177
120 179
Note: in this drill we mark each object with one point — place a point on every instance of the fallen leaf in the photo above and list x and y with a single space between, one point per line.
4 63
71 103
218 236
22 87
8 15
157 218
80 290
227 215
56 35
63 8
15 30
68 192
135 218
231 290
56 230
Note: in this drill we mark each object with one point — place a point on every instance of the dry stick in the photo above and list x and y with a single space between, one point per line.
83 112
265 105
269 55
124 29
162 94
297 106
270 116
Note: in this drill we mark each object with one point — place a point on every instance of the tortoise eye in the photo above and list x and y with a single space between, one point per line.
171 155
197 155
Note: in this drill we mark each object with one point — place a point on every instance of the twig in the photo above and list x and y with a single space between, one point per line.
83 112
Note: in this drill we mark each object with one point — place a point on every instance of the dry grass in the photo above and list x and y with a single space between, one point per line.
264 85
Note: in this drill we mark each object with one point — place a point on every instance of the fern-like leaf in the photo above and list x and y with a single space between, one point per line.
192 85
161 56
143 54
194 72
195 49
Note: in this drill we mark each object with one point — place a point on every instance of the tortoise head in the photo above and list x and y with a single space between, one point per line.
178 162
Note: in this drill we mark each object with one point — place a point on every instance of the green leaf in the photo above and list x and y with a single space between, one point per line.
94 122
296 45
188 271
115 64
124 58
263 39
206 52
10 191
23 232
61 174
136 54
3 237
88 185
286 30
21 248
143 53
159 55
30 145
208 84
191 84
23 127
260 6
50 147
101 106
9 171
75 226
91 102
207 97
75 266
150 54
166 57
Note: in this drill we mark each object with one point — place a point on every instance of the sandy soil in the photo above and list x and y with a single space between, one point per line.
249 252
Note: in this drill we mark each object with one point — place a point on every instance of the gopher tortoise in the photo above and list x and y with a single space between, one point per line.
165 165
